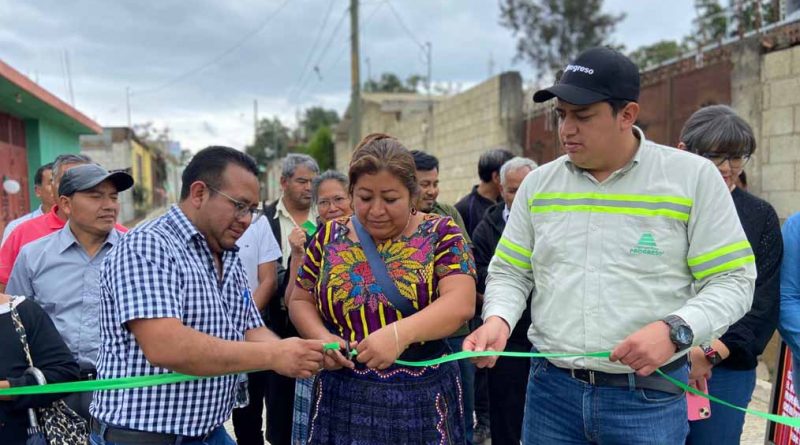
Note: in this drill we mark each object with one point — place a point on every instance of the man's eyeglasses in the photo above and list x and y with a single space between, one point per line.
241 209
338 201
735 161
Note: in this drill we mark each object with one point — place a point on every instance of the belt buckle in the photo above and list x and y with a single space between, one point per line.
589 372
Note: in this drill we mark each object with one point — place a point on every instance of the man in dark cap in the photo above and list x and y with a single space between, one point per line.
61 271
627 247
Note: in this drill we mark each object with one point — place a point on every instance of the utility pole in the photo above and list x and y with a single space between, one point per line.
429 86
128 104
69 78
255 121
355 77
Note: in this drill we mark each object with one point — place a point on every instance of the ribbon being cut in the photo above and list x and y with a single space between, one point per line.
165 379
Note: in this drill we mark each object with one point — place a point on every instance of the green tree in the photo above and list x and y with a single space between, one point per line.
321 148
710 25
652 55
390 83
552 32
751 15
315 118
272 141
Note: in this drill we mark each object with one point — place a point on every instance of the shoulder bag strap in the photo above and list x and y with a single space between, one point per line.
23 337
380 272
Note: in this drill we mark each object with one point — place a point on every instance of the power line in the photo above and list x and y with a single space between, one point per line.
304 79
405 28
313 47
342 51
217 58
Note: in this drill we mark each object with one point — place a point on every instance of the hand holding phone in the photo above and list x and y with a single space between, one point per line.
699 407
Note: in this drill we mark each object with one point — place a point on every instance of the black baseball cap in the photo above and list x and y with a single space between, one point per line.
87 176
596 75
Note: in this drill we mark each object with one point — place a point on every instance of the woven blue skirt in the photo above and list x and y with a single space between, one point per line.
399 405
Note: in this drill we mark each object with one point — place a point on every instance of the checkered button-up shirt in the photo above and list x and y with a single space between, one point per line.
164 269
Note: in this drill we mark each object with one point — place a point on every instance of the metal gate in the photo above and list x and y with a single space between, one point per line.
13 165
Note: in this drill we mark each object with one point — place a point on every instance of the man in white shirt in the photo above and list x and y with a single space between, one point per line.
259 253
628 246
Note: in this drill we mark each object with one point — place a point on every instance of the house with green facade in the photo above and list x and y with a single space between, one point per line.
35 127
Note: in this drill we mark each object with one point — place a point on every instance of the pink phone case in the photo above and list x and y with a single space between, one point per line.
699 407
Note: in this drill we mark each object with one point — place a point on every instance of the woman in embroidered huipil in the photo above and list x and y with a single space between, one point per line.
371 400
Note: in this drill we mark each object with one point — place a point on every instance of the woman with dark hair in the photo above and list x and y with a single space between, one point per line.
49 354
417 288
722 137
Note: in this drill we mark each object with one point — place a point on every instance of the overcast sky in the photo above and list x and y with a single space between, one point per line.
198 66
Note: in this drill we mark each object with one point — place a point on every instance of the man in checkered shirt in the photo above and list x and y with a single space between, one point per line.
176 298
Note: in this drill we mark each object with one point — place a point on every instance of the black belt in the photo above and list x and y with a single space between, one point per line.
653 381
126 436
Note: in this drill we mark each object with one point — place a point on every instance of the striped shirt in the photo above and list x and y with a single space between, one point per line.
349 299
164 269
660 236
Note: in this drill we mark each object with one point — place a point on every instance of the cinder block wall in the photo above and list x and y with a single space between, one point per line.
778 157
465 125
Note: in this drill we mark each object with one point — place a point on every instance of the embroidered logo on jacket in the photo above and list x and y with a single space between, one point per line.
646 246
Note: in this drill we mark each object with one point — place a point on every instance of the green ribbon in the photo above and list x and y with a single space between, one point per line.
165 379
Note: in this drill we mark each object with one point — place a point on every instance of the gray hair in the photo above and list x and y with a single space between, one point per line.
68 159
294 160
514 164
718 128
326 175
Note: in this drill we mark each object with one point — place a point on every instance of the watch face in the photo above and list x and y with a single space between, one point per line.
683 335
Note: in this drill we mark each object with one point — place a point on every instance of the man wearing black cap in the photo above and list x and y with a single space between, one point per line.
61 271
627 248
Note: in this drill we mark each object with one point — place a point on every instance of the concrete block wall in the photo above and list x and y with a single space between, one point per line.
776 167
464 126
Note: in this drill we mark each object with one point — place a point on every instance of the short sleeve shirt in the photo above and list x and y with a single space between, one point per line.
165 269
257 246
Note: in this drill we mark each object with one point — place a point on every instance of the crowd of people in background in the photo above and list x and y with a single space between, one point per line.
657 254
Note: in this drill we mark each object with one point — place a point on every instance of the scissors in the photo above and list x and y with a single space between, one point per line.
349 352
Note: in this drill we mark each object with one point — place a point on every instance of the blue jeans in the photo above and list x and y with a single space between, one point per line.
467 370
725 424
218 437
563 410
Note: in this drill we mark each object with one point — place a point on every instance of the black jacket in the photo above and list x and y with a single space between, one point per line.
472 208
49 354
484 241
748 337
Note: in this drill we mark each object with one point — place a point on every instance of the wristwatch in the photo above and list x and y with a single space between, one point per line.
680 333
712 355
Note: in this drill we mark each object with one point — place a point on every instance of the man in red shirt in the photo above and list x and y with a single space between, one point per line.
40 226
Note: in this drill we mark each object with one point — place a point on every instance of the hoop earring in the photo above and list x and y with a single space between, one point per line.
413 210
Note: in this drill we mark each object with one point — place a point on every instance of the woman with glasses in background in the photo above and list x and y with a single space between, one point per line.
329 193
724 138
